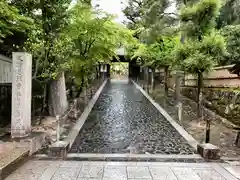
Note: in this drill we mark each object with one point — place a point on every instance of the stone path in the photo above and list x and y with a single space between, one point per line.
124 121
76 170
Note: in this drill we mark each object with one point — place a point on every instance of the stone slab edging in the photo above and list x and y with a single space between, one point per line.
134 157
77 127
191 141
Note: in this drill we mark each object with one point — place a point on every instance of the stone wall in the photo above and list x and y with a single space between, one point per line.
223 101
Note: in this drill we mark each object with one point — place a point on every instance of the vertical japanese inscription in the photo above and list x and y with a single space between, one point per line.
19 64
21 95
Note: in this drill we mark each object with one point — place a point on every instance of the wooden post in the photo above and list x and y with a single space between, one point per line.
208 126
58 128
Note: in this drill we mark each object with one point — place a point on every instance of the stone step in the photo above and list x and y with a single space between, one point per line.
11 160
14 153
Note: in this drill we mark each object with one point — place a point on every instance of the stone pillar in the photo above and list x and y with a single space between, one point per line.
103 71
21 94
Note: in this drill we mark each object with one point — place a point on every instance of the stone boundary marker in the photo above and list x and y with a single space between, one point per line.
191 141
61 148
21 95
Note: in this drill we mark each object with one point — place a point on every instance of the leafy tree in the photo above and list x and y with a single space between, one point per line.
134 13
95 38
47 43
232 36
12 24
158 54
203 46
150 18
229 13
157 20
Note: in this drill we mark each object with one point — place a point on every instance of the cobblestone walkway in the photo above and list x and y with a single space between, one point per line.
76 170
124 121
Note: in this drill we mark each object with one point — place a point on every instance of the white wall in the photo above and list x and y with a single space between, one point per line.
5 69
219 77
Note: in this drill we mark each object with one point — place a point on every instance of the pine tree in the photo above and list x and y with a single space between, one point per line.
203 46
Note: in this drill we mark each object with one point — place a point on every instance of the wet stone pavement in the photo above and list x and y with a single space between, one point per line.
124 121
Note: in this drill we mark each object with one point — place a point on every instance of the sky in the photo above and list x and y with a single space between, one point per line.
112 7
116 7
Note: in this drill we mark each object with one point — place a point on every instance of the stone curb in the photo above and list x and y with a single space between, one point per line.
135 157
68 142
16 162
128 157
191 141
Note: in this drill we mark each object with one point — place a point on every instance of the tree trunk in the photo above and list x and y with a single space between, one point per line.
199 95
80 89
58 96
153 78
71 88
166 80
177 88
144 78
147 78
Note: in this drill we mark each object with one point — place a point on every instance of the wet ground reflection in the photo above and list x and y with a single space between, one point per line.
124 121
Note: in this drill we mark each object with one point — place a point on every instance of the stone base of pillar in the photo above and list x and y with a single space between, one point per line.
208 151
34 142
19 134
59 150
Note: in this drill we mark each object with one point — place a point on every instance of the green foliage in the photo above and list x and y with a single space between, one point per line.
11 21
200 56
154 29
232 36
134 12
199 18
13 28
229 14
203 47
158 54
94 37
47 42
150 18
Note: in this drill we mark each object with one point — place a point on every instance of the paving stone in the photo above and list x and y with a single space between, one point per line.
234 170
71 164
185 173
114 178
162 173
66 173
117 172
138 172
23 177
208 174
33 168
89 171
139 179
135 171
124 121
89 179
49 172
